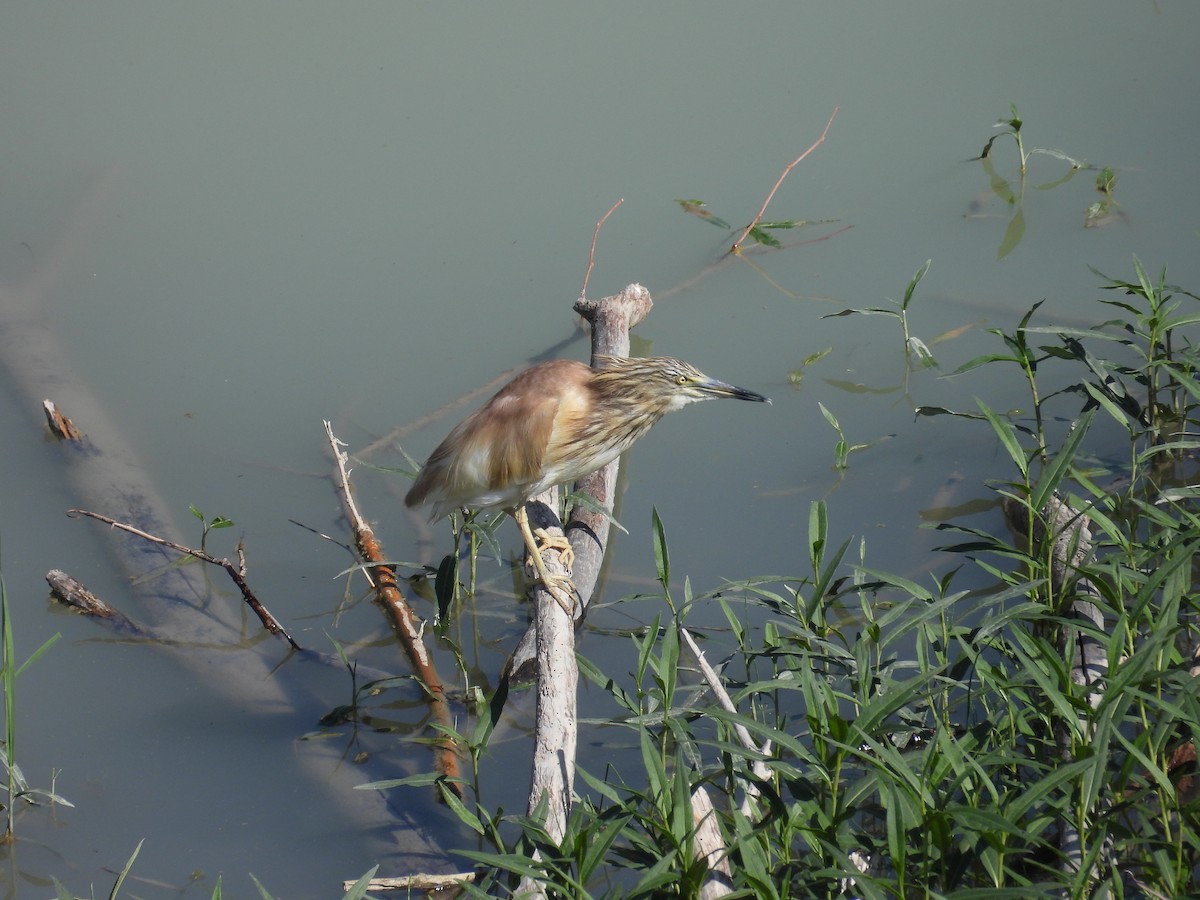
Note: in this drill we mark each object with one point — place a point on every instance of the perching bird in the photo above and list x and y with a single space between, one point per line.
555 423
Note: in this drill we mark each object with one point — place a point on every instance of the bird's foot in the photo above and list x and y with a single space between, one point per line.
559 542
560 587
563 590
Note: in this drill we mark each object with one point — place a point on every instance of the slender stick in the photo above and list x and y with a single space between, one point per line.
592 252
713 680
239 576
737 245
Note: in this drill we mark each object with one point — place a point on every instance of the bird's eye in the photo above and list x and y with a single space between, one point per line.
681 380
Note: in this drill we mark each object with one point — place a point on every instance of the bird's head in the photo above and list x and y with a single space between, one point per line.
660 384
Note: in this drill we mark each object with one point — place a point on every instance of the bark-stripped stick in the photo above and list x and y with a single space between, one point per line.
405 623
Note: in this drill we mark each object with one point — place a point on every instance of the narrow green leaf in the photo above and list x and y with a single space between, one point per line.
33 657
818 533
125 871
443 586
1060 464
699 209
912 285
451 799
764 238
1008 437
662 558
1012 234
358 890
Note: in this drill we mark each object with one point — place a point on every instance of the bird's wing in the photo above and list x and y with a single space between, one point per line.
532 418
520 429
504 452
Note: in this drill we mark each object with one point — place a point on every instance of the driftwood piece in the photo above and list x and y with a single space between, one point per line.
709 845
408 883
61 427
73 594
611 319
409 629
760 769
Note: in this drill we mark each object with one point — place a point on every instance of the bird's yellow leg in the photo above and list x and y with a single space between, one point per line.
560 587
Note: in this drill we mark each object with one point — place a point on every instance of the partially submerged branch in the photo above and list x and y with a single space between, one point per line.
61 426
72 593
737 245
407 626
238 574
552 782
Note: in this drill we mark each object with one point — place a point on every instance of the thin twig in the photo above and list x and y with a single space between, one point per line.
737 245
592 253
239 577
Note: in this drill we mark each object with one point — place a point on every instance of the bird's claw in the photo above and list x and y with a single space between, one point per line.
559 542
564 592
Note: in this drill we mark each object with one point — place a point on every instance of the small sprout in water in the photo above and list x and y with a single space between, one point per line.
1102 211
699 209
796 376
216 522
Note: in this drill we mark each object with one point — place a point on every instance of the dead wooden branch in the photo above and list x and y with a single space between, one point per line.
60 426
269 622
410 883
408 628
709 846
592 252
713 680
737 245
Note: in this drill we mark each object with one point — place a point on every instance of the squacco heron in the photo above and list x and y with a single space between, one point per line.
555 423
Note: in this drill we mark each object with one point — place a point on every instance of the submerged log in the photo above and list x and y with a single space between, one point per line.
105 473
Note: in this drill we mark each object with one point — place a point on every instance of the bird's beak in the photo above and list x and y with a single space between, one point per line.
721 389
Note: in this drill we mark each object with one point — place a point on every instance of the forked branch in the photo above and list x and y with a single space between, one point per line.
237 573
